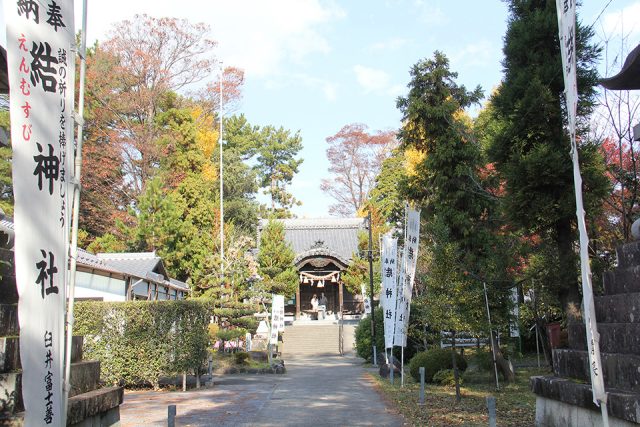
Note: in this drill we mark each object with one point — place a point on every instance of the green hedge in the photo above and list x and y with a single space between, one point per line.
138 341
434 360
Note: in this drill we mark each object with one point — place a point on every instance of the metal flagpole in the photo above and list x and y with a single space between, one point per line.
493 349
402 280
221 183
373 323
73 256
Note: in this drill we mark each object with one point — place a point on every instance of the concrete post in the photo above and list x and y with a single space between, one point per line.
491 406
171 422
421 403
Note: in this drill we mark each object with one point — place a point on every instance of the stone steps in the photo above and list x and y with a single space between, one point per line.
619 370
9 354
619 308
9 320
621 404
93 403
628 255
614 337
308 340
622 280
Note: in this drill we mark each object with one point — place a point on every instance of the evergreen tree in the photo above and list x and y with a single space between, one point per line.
275 258
531 149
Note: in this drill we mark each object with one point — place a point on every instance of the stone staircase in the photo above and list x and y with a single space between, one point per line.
618 316
89 403
318 338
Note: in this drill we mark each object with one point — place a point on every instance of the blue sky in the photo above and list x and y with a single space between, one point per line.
315 66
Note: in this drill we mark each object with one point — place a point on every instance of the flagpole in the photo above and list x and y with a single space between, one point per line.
76 212
566 29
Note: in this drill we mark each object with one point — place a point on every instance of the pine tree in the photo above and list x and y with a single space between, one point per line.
275 258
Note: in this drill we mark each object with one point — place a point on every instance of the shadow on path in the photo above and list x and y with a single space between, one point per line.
315 391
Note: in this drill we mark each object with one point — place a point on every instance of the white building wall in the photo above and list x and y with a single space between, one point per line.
89 285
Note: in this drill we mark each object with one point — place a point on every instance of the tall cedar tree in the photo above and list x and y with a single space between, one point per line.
275 258
531 150
434 124
446 184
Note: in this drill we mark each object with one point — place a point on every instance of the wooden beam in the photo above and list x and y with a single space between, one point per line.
298 301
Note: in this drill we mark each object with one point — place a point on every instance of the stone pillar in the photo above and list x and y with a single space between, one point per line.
340 297
298 301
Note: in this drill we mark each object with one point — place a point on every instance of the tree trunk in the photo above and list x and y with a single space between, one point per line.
456 374
504 366
569 291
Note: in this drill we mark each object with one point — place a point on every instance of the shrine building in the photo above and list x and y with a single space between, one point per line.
323 248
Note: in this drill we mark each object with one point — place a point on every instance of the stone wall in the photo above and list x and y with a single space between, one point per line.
565 399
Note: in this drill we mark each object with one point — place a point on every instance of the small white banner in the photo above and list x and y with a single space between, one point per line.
41 68
277 317
389 291
405 288
366 300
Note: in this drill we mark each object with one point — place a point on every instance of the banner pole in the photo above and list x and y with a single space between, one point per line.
73 256
402 367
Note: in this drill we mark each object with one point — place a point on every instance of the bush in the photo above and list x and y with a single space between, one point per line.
241 357
363 336
434 360
138 341
482 359
446 377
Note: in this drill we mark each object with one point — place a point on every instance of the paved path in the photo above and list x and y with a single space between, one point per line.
332 391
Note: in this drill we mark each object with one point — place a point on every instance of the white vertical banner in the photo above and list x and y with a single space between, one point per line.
514 323
388 293
405 286
40 61
365 299
277 317
567 29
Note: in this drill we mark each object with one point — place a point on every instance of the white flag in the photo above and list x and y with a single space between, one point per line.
567 31
365 299
388 293
40 62
407 277
277 317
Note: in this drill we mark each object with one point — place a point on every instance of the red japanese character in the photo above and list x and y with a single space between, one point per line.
22 39
25 87
23 66
26 132
26 108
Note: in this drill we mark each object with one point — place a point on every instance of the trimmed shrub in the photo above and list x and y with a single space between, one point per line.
241 357
482 359
434 360
363 336
138 341
446 377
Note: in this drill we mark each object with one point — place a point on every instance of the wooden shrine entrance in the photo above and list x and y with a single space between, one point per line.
319 271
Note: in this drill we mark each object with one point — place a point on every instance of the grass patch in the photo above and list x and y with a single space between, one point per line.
223 361
516 404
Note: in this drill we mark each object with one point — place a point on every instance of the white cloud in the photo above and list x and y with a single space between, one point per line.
478 54
430 14
260 36
394 43
623 22
327 87
371 79
256 35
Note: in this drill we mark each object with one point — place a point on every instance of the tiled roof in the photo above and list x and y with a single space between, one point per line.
179 284
88 259
339 235
138 264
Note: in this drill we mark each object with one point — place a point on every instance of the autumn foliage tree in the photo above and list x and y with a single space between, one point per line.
355 156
